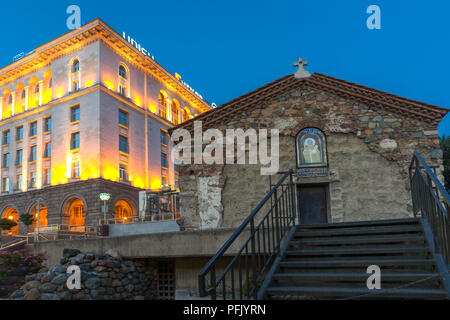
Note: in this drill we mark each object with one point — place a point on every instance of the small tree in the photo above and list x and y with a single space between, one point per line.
7 224
27 219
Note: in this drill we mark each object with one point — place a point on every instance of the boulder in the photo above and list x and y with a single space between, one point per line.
32 294
114 254
32 284
69 253
60 279
50 296
47 287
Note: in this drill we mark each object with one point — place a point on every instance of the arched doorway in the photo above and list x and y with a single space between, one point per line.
123 212
11 214
74 214
43 222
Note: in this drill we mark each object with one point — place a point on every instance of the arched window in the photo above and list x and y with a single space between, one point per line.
42 217
74 80
175 108
123 72
311 148
75 66
162 104
12 215
123 81
123 212
10 98
20 99
186 114
74 215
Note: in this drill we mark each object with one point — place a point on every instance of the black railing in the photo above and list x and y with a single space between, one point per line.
431 202
237 270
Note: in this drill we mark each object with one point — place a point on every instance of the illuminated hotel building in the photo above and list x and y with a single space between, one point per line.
83 114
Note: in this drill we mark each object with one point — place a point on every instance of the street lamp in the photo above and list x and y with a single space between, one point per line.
104 197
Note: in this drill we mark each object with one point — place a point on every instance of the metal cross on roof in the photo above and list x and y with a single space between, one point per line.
301 72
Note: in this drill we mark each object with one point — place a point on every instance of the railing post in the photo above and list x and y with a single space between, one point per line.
213 282
293 206
253 253
277 222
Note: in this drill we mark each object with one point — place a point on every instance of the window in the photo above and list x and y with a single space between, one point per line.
10 98
19 182
33 179
75 141
177 174
47 177
5 162
5 184
164 180
76 66
164 162
123 118
19 156
36 89
75 169
123 169
48 150
123 81
19 133
6 137
75 114
75 75
164 138
123 144
311 148
163 104
122 90
33 153
123 72
33 129
23 94
48 124
175 108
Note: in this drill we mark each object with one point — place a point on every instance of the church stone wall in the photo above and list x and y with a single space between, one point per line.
369 152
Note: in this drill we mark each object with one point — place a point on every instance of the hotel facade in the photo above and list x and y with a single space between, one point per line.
84 114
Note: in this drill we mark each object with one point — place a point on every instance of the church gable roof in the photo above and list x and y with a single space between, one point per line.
374 98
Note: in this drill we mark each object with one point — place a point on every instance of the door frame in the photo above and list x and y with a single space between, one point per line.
327 198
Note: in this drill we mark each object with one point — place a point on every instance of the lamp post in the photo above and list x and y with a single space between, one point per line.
104 197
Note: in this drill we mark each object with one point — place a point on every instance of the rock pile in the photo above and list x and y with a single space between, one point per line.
103 277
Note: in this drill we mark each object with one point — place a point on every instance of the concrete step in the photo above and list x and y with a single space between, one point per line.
363 263
362 251
359 240
389 222
350 277
282 292
401 229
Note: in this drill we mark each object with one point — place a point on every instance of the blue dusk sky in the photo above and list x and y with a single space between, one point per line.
224 49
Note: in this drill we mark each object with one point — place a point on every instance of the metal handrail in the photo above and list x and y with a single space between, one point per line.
432 202
260 247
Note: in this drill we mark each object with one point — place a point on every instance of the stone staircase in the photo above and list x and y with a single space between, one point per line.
330 261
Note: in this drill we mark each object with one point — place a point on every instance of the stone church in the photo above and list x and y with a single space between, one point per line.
350 147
